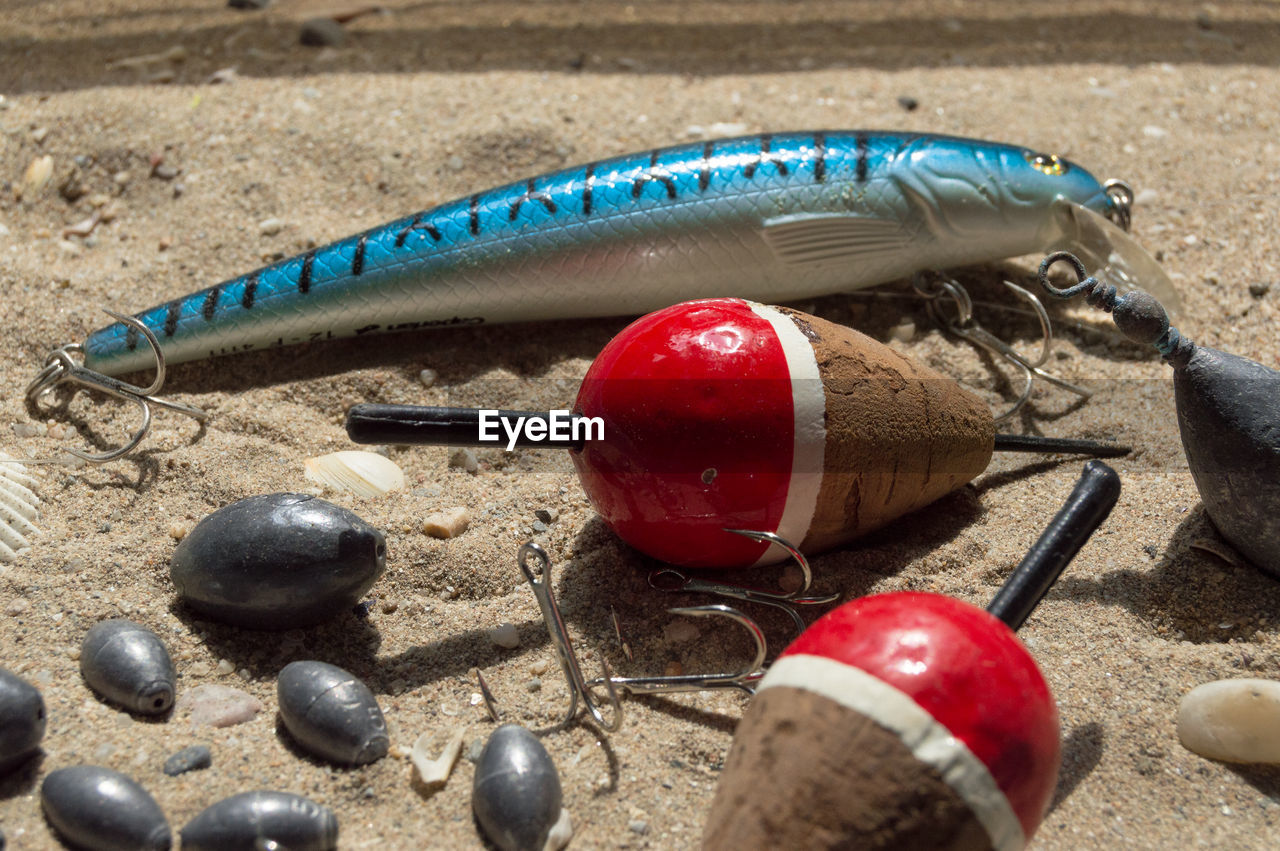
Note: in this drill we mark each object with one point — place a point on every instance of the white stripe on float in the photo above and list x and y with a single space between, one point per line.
809 404
928 740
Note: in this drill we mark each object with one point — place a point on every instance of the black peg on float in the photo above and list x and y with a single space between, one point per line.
1228 416
1094 496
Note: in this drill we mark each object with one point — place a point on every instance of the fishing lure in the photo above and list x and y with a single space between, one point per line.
770 217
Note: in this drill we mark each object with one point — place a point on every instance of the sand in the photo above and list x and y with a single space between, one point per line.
437 100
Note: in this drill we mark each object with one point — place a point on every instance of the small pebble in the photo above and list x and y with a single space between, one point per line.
213 705
262 820
428 377
322 32
22 721
464 458
516 794
128 664
248 4
547 515
194 758
1258 289
908 103
37 176
270 227
505 635
277 561
538 527
455 163
1232 720
640 828
680 631
97 808
164 171
447 524
331 714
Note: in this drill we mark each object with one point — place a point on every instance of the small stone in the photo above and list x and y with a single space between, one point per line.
17 606
464 458
1258 289
322 32
908 103
638 827
533 685
224 667
505 635
428 377
1232 721
1151 131
213 705
547 515
164 171
455 163
903 333
539 527
248 4
679 632
37 176
449 523
194 758
474 750
270 227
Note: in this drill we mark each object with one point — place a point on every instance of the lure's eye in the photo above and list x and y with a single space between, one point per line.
1051 164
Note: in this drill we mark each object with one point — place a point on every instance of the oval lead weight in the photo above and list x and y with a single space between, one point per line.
277 561
95 808
22 721
331 714
251 820
516 794
128 664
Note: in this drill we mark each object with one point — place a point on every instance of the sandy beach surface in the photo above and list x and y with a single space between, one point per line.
188 153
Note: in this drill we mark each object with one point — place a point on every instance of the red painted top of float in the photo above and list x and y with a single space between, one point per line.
698 419
964 667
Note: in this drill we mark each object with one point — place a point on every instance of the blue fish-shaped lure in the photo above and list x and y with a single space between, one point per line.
771 217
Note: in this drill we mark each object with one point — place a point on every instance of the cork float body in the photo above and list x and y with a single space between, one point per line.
908 720
723 414
904 721
726 414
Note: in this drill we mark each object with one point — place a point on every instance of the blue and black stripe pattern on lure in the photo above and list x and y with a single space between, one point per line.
770 217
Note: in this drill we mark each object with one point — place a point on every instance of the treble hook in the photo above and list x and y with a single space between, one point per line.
674 580
60 368
743 680
579 688
963 325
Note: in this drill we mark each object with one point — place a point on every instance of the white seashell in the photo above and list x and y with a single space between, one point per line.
435 771
1232 720
365 474
18 507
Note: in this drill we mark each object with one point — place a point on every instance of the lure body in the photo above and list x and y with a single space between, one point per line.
768 217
